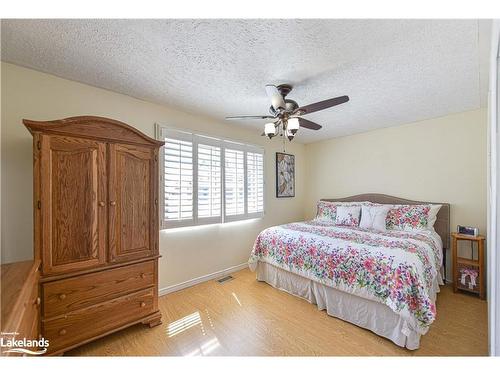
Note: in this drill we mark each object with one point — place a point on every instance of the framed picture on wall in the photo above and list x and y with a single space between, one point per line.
285 175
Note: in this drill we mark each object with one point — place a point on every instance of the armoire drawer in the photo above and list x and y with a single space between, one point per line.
80 325
62 296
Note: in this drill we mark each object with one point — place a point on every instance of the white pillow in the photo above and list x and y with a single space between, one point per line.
348 215
431 218
373 217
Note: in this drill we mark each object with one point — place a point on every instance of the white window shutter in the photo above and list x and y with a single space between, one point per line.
255 183
207 180
178 182
209 183
234 184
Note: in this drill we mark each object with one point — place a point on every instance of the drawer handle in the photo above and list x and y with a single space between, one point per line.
62 332
37 301
62 296
113 203
143 304
143 275
101 203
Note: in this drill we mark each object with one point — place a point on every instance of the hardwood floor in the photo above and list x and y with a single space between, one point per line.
246 317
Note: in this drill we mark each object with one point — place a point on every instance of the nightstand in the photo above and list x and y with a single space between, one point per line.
468 273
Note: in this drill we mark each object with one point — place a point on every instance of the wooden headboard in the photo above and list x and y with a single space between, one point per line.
442 225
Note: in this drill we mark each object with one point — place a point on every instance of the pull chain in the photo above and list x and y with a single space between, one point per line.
283 136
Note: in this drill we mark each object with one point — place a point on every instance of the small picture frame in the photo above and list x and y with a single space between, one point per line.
285 175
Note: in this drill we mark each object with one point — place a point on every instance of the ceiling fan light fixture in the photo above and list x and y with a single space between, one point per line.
270 130
284 113
293 125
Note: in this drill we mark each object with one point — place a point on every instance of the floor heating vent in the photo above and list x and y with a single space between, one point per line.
225 279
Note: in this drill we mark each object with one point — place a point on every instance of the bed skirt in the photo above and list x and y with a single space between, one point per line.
364 313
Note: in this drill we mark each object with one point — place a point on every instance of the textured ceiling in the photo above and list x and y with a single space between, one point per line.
395 71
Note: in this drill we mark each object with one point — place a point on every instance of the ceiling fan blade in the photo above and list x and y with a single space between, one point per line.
250 117
308 124
314 107
277 100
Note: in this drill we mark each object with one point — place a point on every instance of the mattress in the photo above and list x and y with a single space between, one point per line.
385 281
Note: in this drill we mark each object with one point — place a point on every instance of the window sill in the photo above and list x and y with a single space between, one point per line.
178 227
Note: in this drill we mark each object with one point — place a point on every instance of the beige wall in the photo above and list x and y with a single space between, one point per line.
187 253
439 160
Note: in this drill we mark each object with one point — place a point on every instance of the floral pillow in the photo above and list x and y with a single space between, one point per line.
327 211
348 215
408 217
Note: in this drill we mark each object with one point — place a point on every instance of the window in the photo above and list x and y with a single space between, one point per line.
178 179
234 183
208 180
255 182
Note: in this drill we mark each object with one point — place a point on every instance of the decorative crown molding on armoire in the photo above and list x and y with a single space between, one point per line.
96 228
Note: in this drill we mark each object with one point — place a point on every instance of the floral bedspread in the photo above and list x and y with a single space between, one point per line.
397 268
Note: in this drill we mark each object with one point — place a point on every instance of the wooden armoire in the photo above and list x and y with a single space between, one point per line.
95 228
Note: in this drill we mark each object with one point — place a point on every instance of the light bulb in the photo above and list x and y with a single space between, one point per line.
293 125
270 130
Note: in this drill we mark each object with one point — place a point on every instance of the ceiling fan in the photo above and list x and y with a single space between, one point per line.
285 115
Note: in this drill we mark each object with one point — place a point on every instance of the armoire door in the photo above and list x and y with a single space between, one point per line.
132 202
72 202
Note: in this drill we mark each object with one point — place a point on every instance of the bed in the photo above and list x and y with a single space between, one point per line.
383 281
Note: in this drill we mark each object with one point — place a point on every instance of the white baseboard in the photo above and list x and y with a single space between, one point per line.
201 279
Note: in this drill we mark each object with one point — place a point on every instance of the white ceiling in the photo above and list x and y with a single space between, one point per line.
395 71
